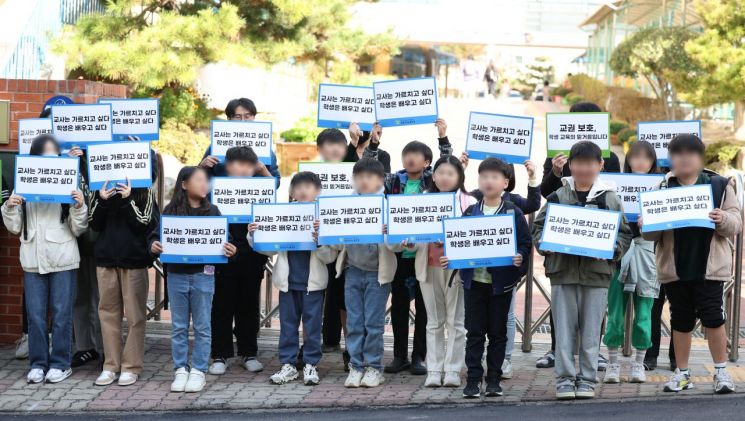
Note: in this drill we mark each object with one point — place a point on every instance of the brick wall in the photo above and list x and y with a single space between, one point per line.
27 99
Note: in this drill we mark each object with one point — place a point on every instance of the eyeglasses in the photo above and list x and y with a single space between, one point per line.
246 116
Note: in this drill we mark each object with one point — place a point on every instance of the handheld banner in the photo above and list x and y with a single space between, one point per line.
405 102
193 239
256 134
234 196
134 117
339 105
81 124
284 226
28 129
628 187
479 241
336 177
116 161
677 207
581 231
417 218
660 133
350 219
49 179
502 136
565 129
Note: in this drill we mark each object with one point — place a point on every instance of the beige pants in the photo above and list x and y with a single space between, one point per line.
445 315
123 290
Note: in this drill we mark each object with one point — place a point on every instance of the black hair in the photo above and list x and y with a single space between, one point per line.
585 150
305 177
496 165
370 166
45 112
686 143
455 162
641 147
416 146
240 102
511 184
331 136
585 107
179 204
545 83
242 154
37 148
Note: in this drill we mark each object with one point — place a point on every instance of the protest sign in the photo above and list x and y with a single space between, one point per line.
660 133
193 239
479 241
284 226
565 129
116 161
49 179
336 177
134 117
628 187
502 136
417 218
28 129
581 231
350 219
339 105
677 207
405 102
81 124
229 133
234 196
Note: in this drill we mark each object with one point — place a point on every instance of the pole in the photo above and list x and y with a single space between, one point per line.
527 342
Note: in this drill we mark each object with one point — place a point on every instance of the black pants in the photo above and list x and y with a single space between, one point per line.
400 304
237 292
486 315
654 351
333 304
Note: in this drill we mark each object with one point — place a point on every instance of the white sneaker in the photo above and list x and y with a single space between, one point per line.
179 382
452 379
105 378
22 348
637 374
372 378
310 375
612 374
252 364
286 374
506 369
218 367
126 378
55 375
196 381
434 379
723 382
354 379
36 375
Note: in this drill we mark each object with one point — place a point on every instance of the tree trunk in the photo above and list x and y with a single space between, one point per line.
739 123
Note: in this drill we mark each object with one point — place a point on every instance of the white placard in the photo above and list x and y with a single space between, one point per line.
480 241
350 219
28 129
417 218
628 187
339 105
80 124
563 130
284 226
134 117
234 196
336 177
193 239
50 179
405 102
116 161
581 231
677 207
660 133
229 133
502 136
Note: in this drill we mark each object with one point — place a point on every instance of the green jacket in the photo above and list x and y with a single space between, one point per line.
565 269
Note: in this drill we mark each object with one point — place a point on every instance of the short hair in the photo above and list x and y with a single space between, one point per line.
416 146
241 153
370 166
240 102
46 112
331 136
686 143
492 164
585 107
586 150
305 177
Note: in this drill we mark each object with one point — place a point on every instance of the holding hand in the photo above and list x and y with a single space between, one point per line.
14 200
354 134
376 133
464 159
209 162
252 227
442 128
717 216
530 168
444 262
124 189
639 223
77 196
517 260
316 225
156 247
557 164
229 249
75 152
262 170
104 193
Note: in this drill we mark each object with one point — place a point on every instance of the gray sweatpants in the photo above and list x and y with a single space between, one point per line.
578 313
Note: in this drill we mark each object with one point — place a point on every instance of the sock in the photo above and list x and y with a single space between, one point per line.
613 355
640 354
720 367
684 371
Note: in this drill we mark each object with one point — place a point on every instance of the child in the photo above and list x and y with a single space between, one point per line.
190 287
579 285
694 263
49 257
301 277
488 291
637 276
360 142
238 285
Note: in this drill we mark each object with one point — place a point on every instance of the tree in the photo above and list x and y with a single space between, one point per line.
533 75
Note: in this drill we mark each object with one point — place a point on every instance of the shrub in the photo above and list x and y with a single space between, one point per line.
721 155
184 106
626 134
590 89
304 131
616 126
180 141
560 91
574 98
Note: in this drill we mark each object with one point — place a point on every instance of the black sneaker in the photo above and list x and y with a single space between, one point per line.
650 364
472 389
417 368
398 365
83 357
546 361
493 389
346 358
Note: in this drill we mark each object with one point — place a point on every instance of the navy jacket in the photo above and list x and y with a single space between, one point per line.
528 205
219 169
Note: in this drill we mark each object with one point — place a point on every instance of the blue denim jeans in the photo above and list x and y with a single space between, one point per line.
365 300
295 306
191 295
55 291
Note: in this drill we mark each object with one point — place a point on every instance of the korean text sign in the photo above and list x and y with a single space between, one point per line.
581 231
405 102
256 134
417 218
339 105
234 196
628 187
660 133
284 226
350 219
134 117
336 177
193 239
502 136
480 241
677 207
565 129
49 179
116 161
81 124
28 129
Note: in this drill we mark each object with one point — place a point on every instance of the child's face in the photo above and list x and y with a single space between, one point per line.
686 163
50 149
305 192
197 186
492 183
367 183
332 151
640 163
414 162
240 169
585 171
446 178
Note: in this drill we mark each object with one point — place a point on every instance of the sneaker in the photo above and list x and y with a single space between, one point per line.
434 379
472 389
678 381
196 381
602 362
372 378
287 373
650 364
22 348
612 373
548 360
346 358
35 375
566 392
493 389
584 391
723 382
506 369
179 382
637 374
354 379
417 368
397 365
452 379
84 357
252 364
105 378
126 379
310 375
218 366
55 375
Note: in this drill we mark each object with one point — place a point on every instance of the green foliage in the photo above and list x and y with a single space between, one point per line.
625 135
616 126
182 142
589 89
184 106
533 74
723 153
560 91
574 98
304 131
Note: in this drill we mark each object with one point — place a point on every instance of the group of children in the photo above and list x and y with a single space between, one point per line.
460 314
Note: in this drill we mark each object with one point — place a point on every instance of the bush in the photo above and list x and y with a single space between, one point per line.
721 155
590 89
560 91
625 135
304 131
180 141
574 98
184 106
616 126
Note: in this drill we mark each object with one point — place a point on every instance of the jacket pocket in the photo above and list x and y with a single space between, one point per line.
602 267
60 249
552 263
